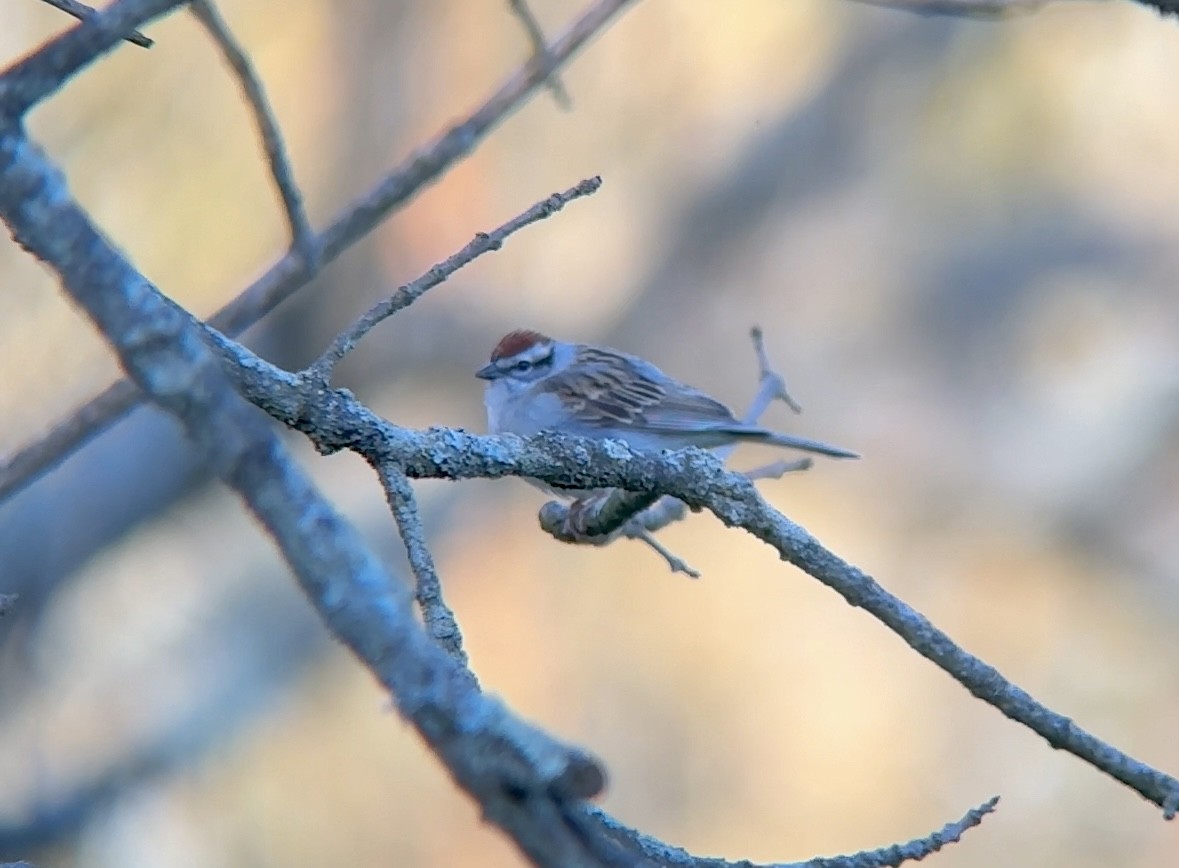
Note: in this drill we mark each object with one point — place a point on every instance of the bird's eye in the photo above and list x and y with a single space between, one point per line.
522 366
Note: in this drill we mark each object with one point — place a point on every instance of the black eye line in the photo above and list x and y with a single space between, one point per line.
527 364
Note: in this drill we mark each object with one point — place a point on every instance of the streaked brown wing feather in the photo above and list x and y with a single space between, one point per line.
600 396
610 389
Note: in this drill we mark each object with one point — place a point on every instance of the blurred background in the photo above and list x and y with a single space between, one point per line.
961 240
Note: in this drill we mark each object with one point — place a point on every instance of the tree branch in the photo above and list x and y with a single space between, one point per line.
81 11
600 519
303 240
336 420
986 10
522 778
990 10
914 850
290 272
521 10
439 619
525 782
320 371
28 81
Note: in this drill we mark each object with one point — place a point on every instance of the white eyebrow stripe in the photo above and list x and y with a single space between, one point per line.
536 353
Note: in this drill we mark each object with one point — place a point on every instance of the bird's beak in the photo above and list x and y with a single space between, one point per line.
488 372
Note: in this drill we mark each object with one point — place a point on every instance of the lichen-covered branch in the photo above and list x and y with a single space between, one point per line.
525 781
438 617
915 850
523 778
334 420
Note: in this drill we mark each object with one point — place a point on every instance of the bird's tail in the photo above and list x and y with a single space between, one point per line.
789 441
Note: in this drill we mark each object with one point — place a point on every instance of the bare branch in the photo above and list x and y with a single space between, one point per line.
336 420
523 779
321 370
675 563
526 783
993 10
778 469
81 11
635 848
979 9
303 240
913 851
540 50
439 619
290 273
28 81
52 448
771 383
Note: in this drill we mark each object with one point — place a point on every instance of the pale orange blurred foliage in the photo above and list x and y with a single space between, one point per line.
1019 481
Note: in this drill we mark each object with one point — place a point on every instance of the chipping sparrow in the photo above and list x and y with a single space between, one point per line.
535 383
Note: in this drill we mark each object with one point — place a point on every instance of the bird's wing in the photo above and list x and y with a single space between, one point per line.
607 389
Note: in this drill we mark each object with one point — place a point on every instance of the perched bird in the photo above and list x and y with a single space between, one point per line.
535 383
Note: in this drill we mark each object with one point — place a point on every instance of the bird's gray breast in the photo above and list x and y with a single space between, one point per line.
531 412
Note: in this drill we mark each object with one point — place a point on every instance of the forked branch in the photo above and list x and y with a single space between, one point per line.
25 84
336 420
540 48
526 782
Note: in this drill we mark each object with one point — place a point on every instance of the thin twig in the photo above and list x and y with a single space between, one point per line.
303 240
910 851
540 50
668 510
42 73
984 10
81 11
320 371
438 617
674 562
290 273
778 469
770 381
